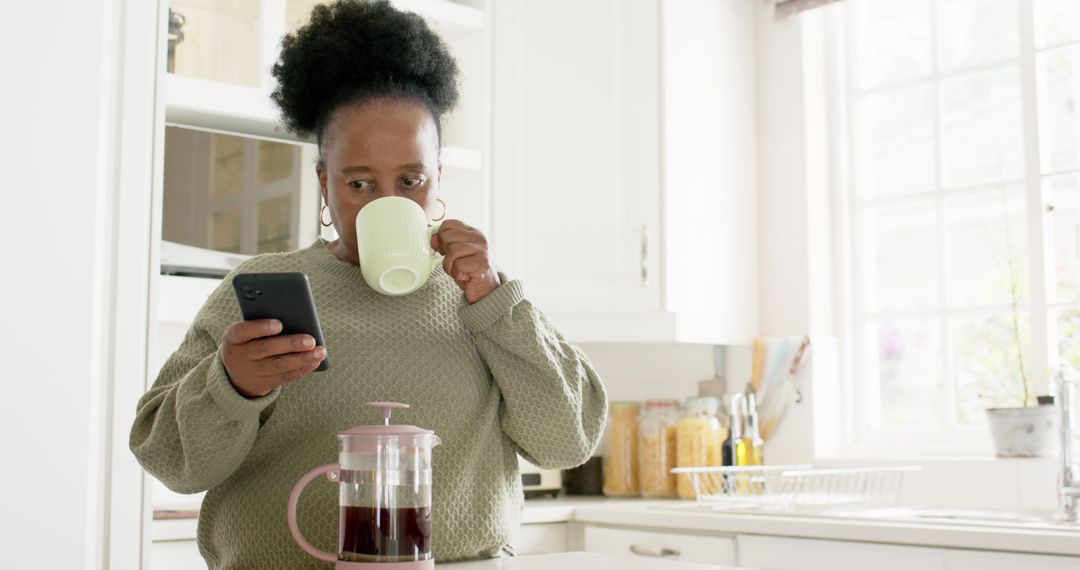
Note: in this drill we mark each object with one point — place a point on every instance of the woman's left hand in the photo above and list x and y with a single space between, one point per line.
466 258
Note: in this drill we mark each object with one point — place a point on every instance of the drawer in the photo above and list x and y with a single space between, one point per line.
540 538
662 545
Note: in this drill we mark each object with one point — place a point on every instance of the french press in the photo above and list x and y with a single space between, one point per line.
384 496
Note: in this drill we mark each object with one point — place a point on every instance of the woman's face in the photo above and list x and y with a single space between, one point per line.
385 147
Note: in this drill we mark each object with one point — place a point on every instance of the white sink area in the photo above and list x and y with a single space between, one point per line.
1021 518
1029 519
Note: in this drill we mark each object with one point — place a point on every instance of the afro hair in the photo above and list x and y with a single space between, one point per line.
358 50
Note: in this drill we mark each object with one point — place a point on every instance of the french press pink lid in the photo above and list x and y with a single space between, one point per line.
384 499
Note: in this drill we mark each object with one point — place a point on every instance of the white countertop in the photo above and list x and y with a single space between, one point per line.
686 516
579 561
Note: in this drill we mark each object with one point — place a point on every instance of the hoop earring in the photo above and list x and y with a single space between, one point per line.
325 224
440 218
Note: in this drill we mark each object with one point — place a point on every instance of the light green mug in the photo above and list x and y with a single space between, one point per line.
394 245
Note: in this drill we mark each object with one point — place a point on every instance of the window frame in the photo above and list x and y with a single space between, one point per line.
850 312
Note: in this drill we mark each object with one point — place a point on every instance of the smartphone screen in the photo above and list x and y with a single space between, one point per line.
282 296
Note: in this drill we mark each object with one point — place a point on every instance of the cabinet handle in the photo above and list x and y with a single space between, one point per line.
644 255
653 551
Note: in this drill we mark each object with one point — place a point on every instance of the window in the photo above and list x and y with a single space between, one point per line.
963 207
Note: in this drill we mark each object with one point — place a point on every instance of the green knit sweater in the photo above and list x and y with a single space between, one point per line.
492 379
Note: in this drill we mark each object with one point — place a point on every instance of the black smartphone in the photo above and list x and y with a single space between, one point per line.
282 296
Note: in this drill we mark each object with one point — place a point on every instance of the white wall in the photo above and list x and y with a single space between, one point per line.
643 371
53 244
782 197
61 168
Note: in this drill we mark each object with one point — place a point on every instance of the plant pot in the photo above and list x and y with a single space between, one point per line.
1024 432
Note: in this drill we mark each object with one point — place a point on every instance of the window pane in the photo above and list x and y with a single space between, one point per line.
971 32
987 247
896 143
893 40
982 130
986 362
1059 122
1068 345
1056 22
1068 326
1063 228
220 40
900 249
909 372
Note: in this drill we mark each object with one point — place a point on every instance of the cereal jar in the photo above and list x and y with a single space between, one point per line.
656 447
698 440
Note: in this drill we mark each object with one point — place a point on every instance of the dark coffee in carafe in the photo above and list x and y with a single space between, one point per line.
397 535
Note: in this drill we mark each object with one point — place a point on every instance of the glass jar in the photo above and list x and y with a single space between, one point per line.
698 440
620 460
657 429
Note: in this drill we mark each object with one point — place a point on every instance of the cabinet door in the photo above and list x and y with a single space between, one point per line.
973 560
576 152
540 539
667 546
768 553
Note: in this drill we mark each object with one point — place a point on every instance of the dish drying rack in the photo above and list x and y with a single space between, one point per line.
788 487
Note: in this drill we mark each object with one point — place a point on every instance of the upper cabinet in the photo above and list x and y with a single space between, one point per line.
624 167
577 135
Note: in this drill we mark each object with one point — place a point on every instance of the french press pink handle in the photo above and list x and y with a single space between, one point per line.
384 481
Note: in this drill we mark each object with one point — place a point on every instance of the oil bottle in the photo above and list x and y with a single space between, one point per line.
734 449
755 446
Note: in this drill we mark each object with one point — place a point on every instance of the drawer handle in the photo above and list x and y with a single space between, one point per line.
653 551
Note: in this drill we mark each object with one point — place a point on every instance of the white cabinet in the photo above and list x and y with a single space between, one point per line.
543 538
971 560
623 172
776 553
576 189
668 546
771 553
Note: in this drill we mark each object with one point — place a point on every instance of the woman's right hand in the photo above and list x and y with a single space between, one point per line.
258 360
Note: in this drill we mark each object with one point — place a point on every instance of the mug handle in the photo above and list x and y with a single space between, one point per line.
332 472
436 257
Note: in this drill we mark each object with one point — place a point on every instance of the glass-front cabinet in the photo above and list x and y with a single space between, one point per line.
217 79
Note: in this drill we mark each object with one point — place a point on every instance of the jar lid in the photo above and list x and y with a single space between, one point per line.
702 405
664 404
710 404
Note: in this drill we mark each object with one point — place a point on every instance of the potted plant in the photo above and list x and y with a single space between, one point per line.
1022 425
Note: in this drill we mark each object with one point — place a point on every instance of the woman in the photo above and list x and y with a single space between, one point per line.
236 412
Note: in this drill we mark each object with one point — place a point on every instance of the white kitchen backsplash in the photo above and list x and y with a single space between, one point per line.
640 371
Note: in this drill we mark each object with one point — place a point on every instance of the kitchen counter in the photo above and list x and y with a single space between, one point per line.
579 561
686 516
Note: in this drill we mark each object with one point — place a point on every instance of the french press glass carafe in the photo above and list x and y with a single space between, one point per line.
384 480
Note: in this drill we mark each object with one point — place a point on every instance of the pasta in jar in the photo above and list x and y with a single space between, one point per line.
621 458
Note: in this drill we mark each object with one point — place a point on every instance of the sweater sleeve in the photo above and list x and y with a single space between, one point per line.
192 429
553 402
